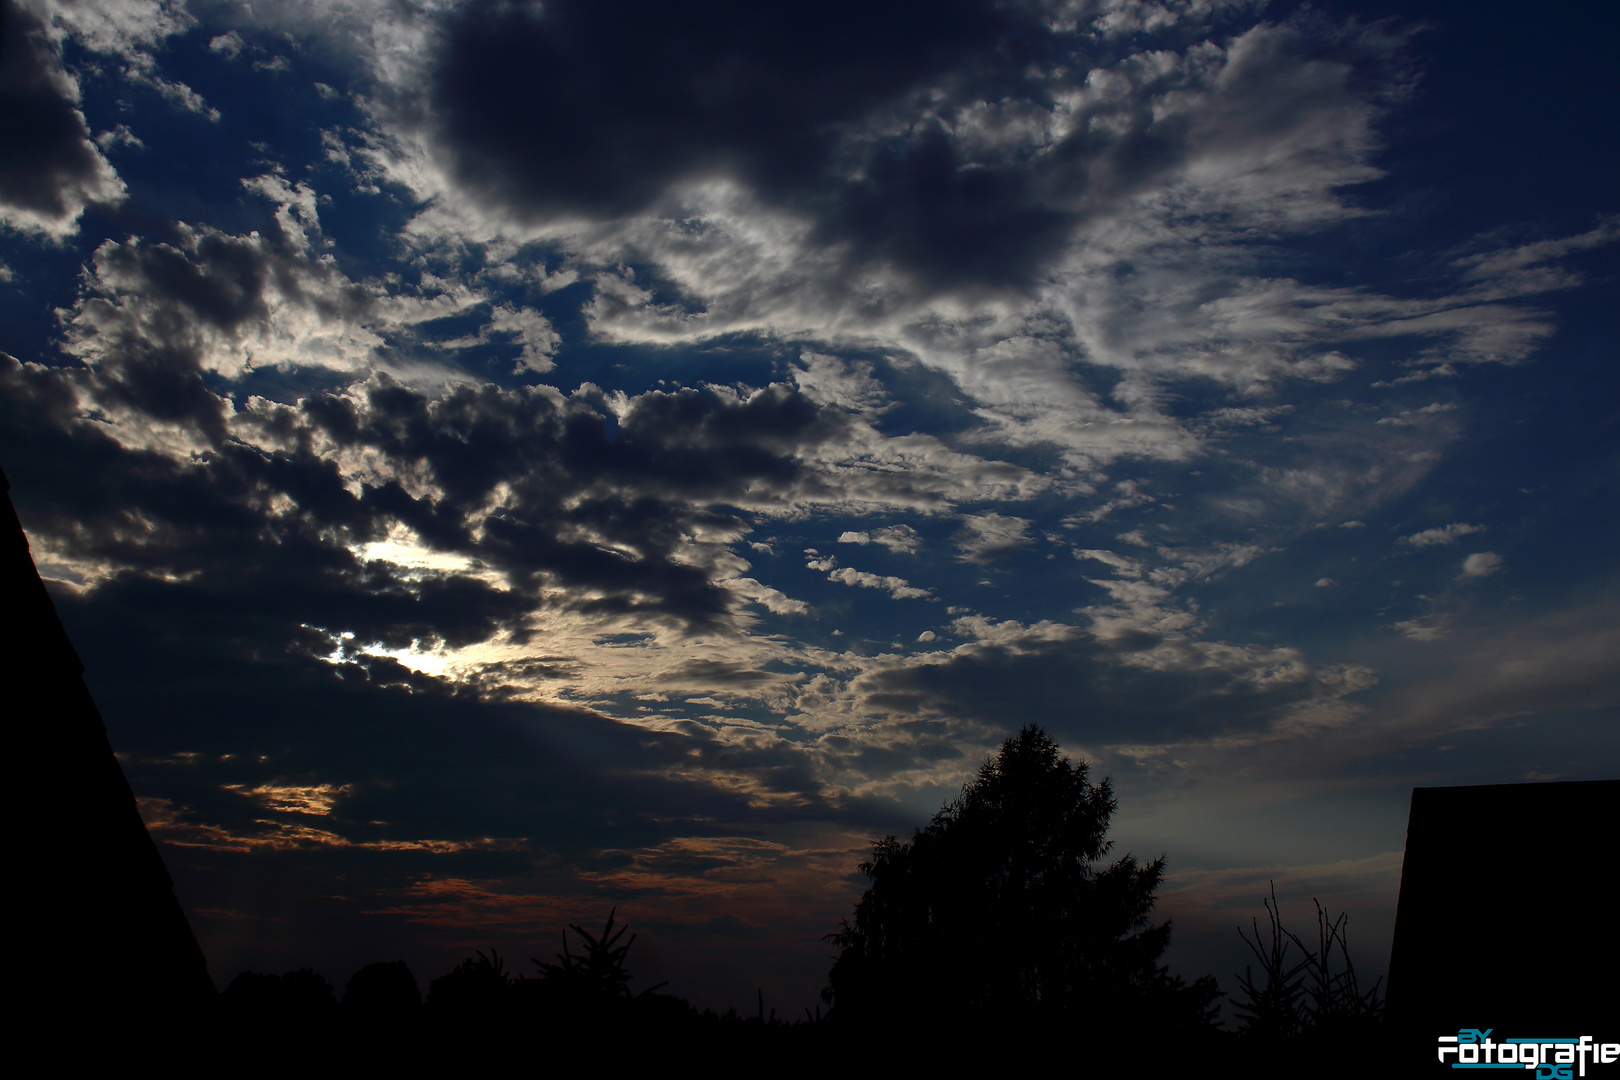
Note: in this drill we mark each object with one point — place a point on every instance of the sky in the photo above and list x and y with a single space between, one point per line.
501 462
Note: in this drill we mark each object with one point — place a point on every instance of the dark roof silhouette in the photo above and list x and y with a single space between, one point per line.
93 906
1506 893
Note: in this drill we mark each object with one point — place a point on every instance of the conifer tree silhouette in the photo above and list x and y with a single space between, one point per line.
1313 996
599 974
1273 1008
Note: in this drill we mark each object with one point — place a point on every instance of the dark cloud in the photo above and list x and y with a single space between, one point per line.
226 282
546 490
207 280
610 516
955 141
590 108
597 107
50 169
262 508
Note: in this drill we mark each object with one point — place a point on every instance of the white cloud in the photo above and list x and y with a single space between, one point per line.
1511 265
902 539
773 600
1128 495
228 44
129 30
1444 534
1426 627
985 537
897 587
126 28
1482 564
281 300
1122 566
1410 417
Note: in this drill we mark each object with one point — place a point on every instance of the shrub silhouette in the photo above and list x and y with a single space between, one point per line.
997 909
382 989
1310 997
1273 1009
598 975
478 982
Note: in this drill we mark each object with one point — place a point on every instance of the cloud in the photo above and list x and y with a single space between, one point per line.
309 487
316 799
1444 534
1427 627
1482 564
961 149
276 298
51 170
1409 417
128 30
986 537
902 539
773 600
1163 686
123 28
1128 496
1122 566
779 101
229 303
899 588
1000 219
1504 671
228 44
1517 264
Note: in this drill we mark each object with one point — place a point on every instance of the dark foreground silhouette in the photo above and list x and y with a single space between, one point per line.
995 932
993 939
575 1012
98 898
998 911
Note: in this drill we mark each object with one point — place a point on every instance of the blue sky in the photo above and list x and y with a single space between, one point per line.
503 461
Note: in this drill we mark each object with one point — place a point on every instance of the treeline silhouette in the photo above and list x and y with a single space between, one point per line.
994 931
577 1005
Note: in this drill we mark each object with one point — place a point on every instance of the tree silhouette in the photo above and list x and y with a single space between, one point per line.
1313 996
477 983
383 988
598 974
1274 1008
997 907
